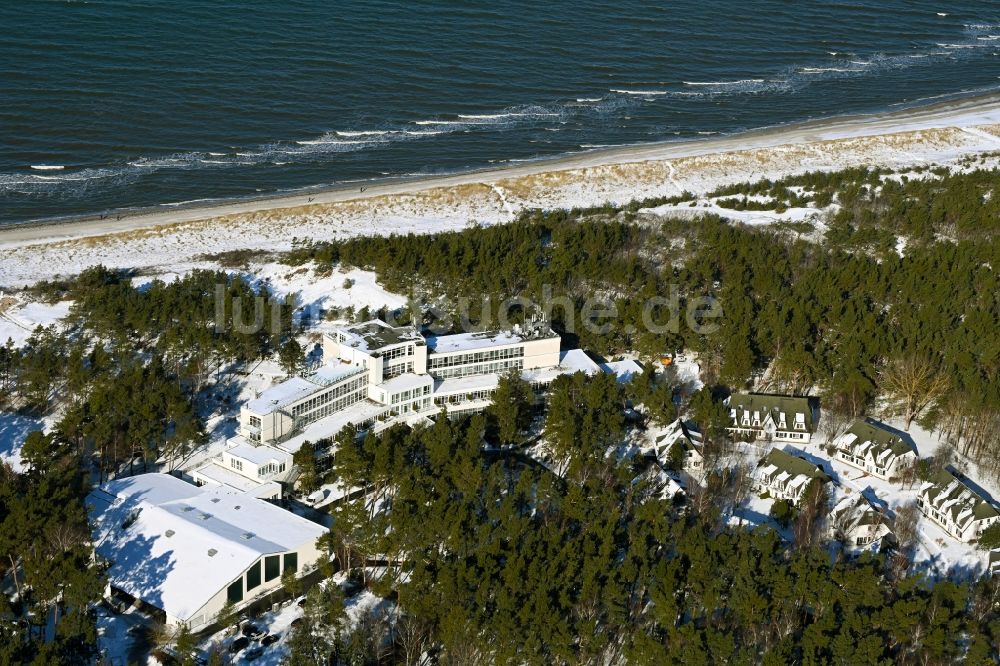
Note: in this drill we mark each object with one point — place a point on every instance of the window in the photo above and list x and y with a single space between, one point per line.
254 421
236 464
272 567
291 561
234 592
253 576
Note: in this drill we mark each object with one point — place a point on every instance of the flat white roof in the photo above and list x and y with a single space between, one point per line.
163 556
281 395
405 381
222 475
334 372
258 455
375 334
466 384
443 344
333 424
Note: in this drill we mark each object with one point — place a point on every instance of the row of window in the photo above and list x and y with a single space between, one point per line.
334 407
761 434
755 423
410 394
272 570
414 406
860 462
478 369
269 469
327 396
388 372
474 357
398 352
459 398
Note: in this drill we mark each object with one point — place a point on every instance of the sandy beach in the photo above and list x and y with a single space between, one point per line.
172 238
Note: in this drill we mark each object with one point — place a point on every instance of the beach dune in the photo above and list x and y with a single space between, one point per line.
174 238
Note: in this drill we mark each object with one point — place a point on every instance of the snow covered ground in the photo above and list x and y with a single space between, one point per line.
162 242
18 320
14 428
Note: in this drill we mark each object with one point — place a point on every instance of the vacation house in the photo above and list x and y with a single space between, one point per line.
785 476
774 418
875 449
859 524
955 507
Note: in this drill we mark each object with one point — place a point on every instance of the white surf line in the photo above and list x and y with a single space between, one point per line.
503 200
982 134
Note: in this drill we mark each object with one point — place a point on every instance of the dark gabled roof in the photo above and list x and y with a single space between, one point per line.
877 434
982 508
794 465
773 404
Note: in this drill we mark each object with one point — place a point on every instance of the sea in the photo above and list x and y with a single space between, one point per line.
109 106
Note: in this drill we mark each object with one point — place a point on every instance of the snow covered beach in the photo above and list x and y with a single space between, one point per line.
172 239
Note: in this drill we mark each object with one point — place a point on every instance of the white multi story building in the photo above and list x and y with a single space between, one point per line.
679 442
397 371
874 449
957 508
785 476
774 418
374 375
859 524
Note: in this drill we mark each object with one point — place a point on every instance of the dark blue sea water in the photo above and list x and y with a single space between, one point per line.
153 102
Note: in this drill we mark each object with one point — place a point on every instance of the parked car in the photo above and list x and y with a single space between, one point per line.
253 653
270 639
238 644
252 630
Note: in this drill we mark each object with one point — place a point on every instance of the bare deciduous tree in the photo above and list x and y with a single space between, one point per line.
914 383
905 530
813 508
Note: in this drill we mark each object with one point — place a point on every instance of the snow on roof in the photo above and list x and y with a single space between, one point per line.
257 455
577 360
444 344
466 384
866 437
375 334
163 557
405 381
624 370
334 372
768 470
223 476
327 427
281 395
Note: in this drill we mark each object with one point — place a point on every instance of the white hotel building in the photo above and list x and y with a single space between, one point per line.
376 374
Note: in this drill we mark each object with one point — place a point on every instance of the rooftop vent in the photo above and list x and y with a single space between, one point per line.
212 552
216 500
187 509
206 516
169 533
237 507
247 535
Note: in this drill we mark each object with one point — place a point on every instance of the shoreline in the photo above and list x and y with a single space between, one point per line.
954 112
